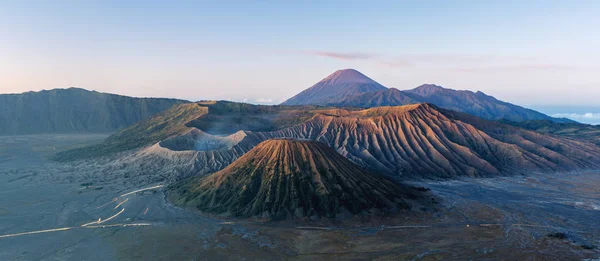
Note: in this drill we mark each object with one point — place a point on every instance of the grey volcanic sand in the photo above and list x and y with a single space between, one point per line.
567 203
507 218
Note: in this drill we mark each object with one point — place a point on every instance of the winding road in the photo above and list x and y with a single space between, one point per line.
98 223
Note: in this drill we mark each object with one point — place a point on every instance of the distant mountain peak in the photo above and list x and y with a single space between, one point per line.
427 89
346 76
430 86
335 87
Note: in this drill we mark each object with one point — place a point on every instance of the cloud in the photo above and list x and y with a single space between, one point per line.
342 56
351 56
466 62
589 117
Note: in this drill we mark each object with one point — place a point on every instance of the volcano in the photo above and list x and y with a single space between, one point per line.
335 87
283 178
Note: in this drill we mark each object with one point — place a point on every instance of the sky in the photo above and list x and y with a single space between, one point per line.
539 54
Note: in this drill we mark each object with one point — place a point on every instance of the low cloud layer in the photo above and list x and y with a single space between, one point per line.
590 117
264 100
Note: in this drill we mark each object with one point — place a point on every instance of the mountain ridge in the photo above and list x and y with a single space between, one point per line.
423 141
475 103
388 97
420 141
74 110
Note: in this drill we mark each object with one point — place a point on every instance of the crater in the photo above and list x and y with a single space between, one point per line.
198 140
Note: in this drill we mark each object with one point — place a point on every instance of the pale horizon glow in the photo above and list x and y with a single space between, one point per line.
531 53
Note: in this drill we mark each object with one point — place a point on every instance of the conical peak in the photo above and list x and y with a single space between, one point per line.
348 76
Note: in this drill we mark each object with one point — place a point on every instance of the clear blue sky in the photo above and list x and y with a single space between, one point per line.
533 53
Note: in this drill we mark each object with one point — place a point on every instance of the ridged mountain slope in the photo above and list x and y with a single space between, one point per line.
413 141
289 178
423 141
